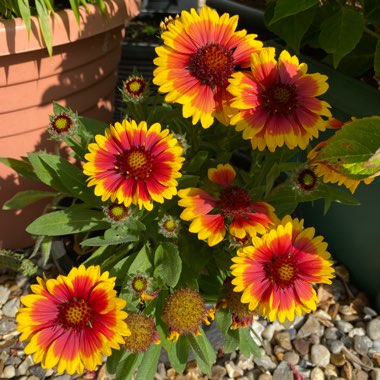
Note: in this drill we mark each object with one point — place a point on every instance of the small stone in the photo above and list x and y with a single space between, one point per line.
218 372
246 363
268 332
359 374
283 339
171 372
314 339
4 294
9 372
292 358
311 326
11 307
331 370
357 331
233 370
347 341
301 345
346 371
7 326
258 328
38 371
360 345
320 355
265 361
283 372
332 333
268 347
344 326
161 370
373 329
375 374
265 376
370 312
335 346
33 378
376 359
62 377
376 346
317 374
338 359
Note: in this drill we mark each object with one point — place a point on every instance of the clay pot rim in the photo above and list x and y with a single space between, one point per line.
14 36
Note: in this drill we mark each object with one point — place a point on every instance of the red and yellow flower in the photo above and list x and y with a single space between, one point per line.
134 164
277 101
276 274
232 209
200 52
73 320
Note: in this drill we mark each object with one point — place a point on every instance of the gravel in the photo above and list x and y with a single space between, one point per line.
340 340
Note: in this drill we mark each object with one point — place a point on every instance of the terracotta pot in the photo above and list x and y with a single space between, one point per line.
81 74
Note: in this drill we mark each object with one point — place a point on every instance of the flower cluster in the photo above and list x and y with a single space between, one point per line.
190 203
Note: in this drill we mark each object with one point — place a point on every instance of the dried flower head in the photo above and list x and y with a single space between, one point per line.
184 312
62 125
143 333
169 226
182 142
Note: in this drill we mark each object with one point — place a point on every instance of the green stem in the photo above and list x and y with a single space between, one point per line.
371 32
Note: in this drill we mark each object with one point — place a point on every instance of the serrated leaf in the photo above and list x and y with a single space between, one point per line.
341 32
354 150
376 64
26 198
292 29
286 8
168 263
65 222
148 366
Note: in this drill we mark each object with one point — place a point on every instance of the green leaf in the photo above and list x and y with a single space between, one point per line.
197 162
113 360
22 167
377 59
188 180
286 8
354 150
148 367
128 365
341 32
71 177
24 7
168 263
25 198
292 28
203 351
223 318
247 345
65 222
141 261
45 173
231 341
44 21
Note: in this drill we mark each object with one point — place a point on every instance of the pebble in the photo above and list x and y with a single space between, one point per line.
4 294
266 362
283 372
11 307
375 374
357 331
283 340
311 326
373 329
369 312
332 333
257 328
331 370
265 376
301 345
360 345
344 326
320 355
218 372
7 326
317 374
9 372
335 346
292 358
268 332
338 359
233 370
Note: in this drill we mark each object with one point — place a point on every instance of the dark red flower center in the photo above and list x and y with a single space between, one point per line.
307 179
280 98
61 123
139 284
135 163
233 201
281 271
135 86
212 64
75 314
117 212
